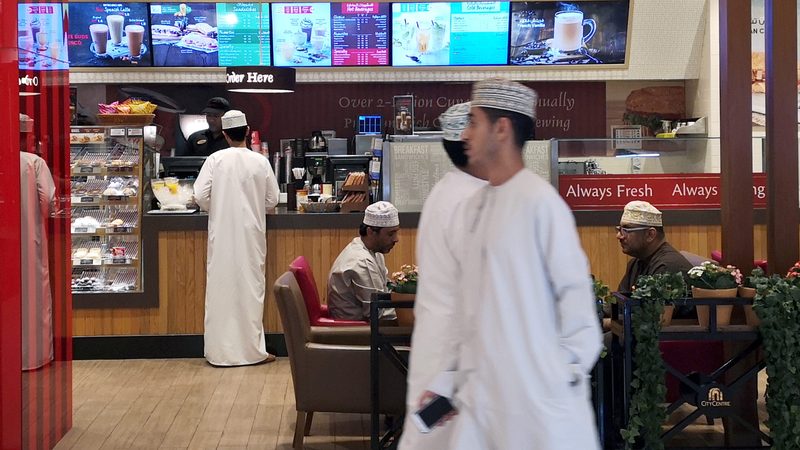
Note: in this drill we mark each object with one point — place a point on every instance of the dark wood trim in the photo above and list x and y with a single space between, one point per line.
154 347
782 179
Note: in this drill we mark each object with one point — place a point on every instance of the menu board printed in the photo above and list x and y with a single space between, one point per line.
40 36
360 34
301 34
108 34
184 35
244 35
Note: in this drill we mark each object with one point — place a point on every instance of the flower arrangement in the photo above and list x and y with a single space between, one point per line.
794 271
404 281
710 275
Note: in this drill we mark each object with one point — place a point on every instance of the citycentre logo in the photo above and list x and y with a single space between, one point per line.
715 399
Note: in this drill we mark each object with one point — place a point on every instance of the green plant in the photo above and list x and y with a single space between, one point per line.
757 276
777 304
710 275
603 295
404 281
652 122
647 411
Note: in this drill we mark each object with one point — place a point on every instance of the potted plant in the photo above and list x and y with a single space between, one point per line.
403 285
710 280
647 410
748 290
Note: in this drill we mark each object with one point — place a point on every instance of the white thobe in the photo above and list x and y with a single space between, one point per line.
236 186
433 341
530 329
37 191
355 275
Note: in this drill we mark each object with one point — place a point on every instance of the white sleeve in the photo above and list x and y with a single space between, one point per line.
202 186
273 191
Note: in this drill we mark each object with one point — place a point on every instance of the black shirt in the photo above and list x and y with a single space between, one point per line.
203 143
664 260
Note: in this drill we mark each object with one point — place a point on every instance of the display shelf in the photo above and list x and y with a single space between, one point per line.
106 168
355 192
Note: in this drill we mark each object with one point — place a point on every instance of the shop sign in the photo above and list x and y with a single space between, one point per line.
713 400
260 79
665 191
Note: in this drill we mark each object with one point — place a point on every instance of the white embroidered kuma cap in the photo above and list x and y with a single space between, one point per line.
454 120
25 123
638 212
233 119
506 95
381 214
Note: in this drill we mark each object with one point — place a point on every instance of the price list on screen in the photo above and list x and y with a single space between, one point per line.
360 34
243 34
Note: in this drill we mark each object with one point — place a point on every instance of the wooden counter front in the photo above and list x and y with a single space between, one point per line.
182 253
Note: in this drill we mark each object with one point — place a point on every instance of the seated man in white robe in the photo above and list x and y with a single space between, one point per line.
360 269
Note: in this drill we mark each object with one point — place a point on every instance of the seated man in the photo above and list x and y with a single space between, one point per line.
360 269
641 235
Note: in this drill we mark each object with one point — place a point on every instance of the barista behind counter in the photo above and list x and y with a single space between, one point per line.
208 141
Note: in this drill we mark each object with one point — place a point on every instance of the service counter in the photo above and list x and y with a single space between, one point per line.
175 259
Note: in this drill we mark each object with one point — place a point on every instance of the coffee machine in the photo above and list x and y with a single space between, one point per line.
315 163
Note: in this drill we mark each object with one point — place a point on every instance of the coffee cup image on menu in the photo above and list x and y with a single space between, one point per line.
568 31
99 33
115 24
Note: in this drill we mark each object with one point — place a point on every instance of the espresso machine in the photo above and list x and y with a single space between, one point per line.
315 163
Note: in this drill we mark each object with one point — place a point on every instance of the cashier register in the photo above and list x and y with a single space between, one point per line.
182 166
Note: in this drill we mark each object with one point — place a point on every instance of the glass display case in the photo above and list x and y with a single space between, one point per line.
106 166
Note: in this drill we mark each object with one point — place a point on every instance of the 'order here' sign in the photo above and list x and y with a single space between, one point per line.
665 191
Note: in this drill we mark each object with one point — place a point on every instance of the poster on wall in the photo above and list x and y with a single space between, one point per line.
562 33
758 59
360 34
301 34
243 34
184 35
40 36
108 34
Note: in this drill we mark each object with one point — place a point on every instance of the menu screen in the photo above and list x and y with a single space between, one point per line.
301 34
108 34
360 34
184 35
580 32
40 36
243 34
442 34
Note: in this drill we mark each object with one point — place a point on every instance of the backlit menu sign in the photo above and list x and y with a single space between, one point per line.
244 37
579 32
40 36
360 34
108 34
301 34
449 34
185 34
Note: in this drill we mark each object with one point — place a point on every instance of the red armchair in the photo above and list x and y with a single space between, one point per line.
317 312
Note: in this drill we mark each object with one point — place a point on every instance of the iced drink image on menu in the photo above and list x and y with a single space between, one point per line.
135 35
99 33
25 43
115 28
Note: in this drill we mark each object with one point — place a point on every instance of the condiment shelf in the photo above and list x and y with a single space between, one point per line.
354 193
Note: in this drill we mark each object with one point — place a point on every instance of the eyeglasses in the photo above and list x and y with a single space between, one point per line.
625 230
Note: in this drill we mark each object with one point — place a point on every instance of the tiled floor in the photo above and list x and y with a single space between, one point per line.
185 403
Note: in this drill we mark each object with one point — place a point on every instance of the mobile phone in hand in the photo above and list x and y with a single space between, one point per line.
426 417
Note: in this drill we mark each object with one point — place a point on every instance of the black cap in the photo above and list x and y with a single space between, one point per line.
217 105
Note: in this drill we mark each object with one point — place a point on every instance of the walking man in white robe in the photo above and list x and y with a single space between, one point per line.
236 186
433 342
530 331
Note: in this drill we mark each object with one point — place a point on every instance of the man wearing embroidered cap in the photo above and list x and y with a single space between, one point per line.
529 329
360 269
641 235
436 304
210 140
236 186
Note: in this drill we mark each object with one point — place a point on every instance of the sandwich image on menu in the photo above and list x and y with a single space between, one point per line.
184 34
40 36
108 34
301 34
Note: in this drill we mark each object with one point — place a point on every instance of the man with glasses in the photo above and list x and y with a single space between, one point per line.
641 236
205 142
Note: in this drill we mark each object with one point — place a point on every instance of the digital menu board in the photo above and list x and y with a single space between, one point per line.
244 37
301 34
184 34
579 32
108 34
40 36
360 34
442 34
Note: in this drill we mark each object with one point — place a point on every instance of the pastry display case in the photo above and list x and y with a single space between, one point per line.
106 166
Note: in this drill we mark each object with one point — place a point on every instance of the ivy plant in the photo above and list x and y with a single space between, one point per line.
647 411
777 304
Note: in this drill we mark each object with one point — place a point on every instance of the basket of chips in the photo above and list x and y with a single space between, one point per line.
127 112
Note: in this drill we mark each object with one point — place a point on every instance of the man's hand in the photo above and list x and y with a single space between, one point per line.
426 398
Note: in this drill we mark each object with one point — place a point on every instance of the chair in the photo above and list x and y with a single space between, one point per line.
318 313
716 255
329 378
